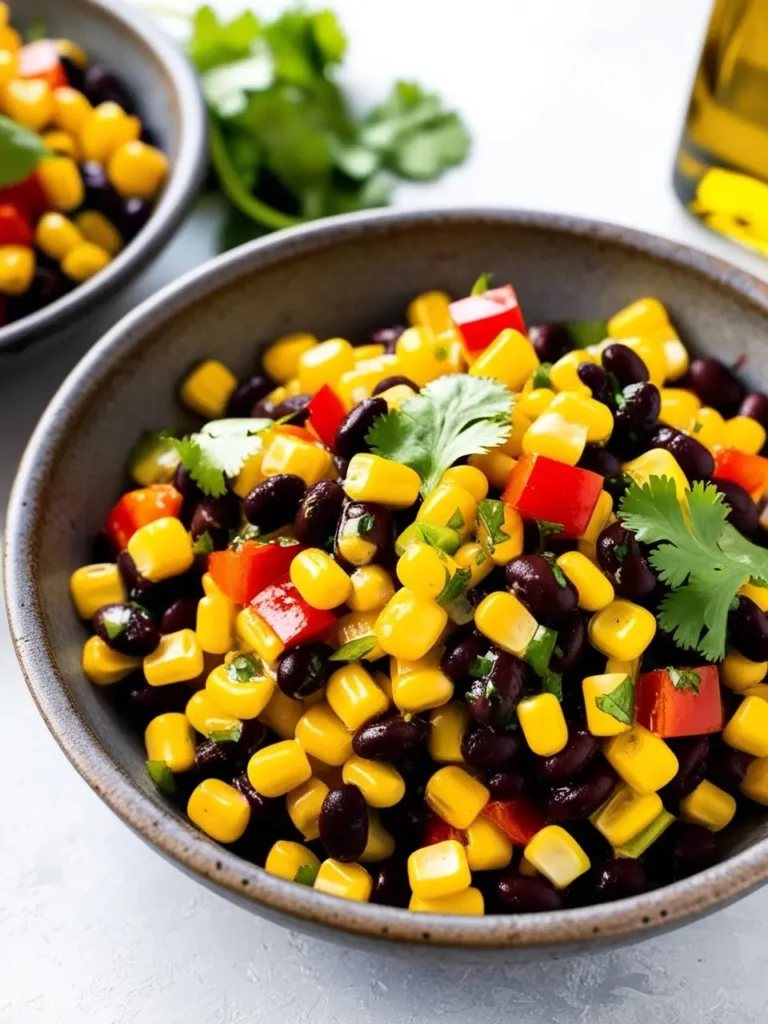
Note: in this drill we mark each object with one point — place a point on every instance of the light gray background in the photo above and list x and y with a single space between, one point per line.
575 106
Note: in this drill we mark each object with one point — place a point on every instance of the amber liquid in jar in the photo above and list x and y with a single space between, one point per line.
721 171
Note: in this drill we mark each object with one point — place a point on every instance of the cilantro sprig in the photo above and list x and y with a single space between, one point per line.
219 451
454 416
20 151
619 703
700 556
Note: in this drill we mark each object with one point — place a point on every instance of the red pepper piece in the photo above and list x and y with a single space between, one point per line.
748 471
326 414
137 508
14 228
27 196
519 820
284 609
545 489
41 60
295 431
481 318
241 572
437 831
668 711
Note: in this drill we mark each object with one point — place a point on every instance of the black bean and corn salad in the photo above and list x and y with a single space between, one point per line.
78 170
463 618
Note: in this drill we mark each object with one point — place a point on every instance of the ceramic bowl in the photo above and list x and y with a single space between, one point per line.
339 277
168 100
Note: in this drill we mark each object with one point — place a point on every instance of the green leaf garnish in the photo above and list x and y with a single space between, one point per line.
203 545
540 649
20 152
548 529
490 512
306 874
162 776
441 537
116 620
364 524
454 416
620 702
482 284
454 586
154 458
560 578
541 376
552 682
481 666
685 679
243 668
355 649
220 450
231 735
587 332
456 522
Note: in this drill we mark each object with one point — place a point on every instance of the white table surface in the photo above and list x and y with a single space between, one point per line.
575 106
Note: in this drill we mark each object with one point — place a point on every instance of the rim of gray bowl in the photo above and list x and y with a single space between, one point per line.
187 174
245 882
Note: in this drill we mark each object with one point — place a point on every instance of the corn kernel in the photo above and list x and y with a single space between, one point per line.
469 902
17 269
170 738
409 626
626 668
755 782
472 556
496 465
70 109
422 357
527 869
372 587
757 594
304 805
587 542
60 179
675 353
9 65
84 261
208 388
319 579
468 477
136 169
447 726
323 364
104 129
381 784
357 384
555 437
241 698
177 658
455 796
543 724
61 143
323 735
679 407
354 696
420 685
93 586
651 352
622 630
396 395
439 870
206 717
738 673
371 478
347 881
73 53
356 625
506 622
256 635
758 690
708 805
626 814
94 227
103 666
215 627
644 316
431 310
564 375
427 571
594 688
28 101
281 359
747 729
709 428
288 454
488 848
449 505
161 549
380 844
579 410
278 768
220 810
536 402
642 760
744 434
557 856
285 858
510 358
499 550
56 235
594 588
282 715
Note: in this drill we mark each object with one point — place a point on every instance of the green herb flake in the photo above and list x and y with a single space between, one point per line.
243 669
552 682
116 620
203 545
443 538
480 558
540 648
161 776
37 30
231 735
456 522
620 552
481 666
20 152
541 377
548 529
560 578
355 649
364 524
454 586
685 679
619 703
587 332
220 450
697 427
482 284
441 352
491 513
306 875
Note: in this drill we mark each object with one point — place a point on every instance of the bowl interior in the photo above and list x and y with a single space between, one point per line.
343 278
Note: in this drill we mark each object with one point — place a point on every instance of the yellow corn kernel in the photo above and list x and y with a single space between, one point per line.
708 805
582 411
556 855
242 698
495 465
427 571
93 586
543 724
95 227
472 556
622 630
626 814
488 849
288 454
526 869
9 64
747 729
56 235
208 388
282 715
456 796
709 428
555 437
161 549
744 434
469 478
249 475
381 784
679 408
641 759
177 659
61 182
347 881
205 715
675 353
103 130
372 587
319 579
354 696
468 902
136 169
422 358
638 319
626 668
28 101
215 625
256 635
170 738
396 395
103 666
73 52
380 844
755 783
587 542
447 726
510 358
439 870
371 478
536 402
355 625
519 423
757 594
651 352
419 685
502 551
220 810
365 352
409 625
278 768
322 734
758 690
70 109
449 505
738 673
357 384
564 375
594 588
84 261
281 359
506 622
599 722
385 684
323 364
17 269
431 310
285 858
61 143
304 804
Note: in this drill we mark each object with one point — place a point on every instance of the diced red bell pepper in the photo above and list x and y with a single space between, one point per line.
748 471
668 710
284 609
326 414
41 60
241 572
437 831
295 431
481 318
137 508
14 228
545 489
27 196
519 820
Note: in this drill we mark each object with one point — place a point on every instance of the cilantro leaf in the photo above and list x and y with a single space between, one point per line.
355 649
552 682
116 620
482 284
203 545
619 703
454 586
481 666
220 450
20 151
444 538
685 679
490 512
587 332
243 668
541 378
548 529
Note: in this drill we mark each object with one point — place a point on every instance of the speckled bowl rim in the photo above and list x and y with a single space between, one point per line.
179 841
186 176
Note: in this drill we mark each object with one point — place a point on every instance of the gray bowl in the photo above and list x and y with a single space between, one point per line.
168 99
342 276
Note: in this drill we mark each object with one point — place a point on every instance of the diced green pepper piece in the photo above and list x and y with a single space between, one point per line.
540 649
640 843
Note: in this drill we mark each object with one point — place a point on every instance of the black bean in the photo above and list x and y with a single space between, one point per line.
343 823
522 895
253 737
551 341
598 459
386 336
303 670
693 458
75 74
509 784
682 850
619 556
182 614
262 808
389 738
582 748
100 195
640 409
727 767
247 394
715 385
578 798
462 651
157 597
365 534
598 382
294 406
215 516
342 468
549 594
133 216
392 382
492 700
350 437
755 405
390 884
691 753
274 502
748 630
48 284
215 760
625 365
484 747
572 642
318 513
263 409
143 702
743 512
619 878
101 85
126 629
185 485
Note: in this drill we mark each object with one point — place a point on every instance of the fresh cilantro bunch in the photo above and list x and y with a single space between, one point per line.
453 416
285 144
219 451
698 555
